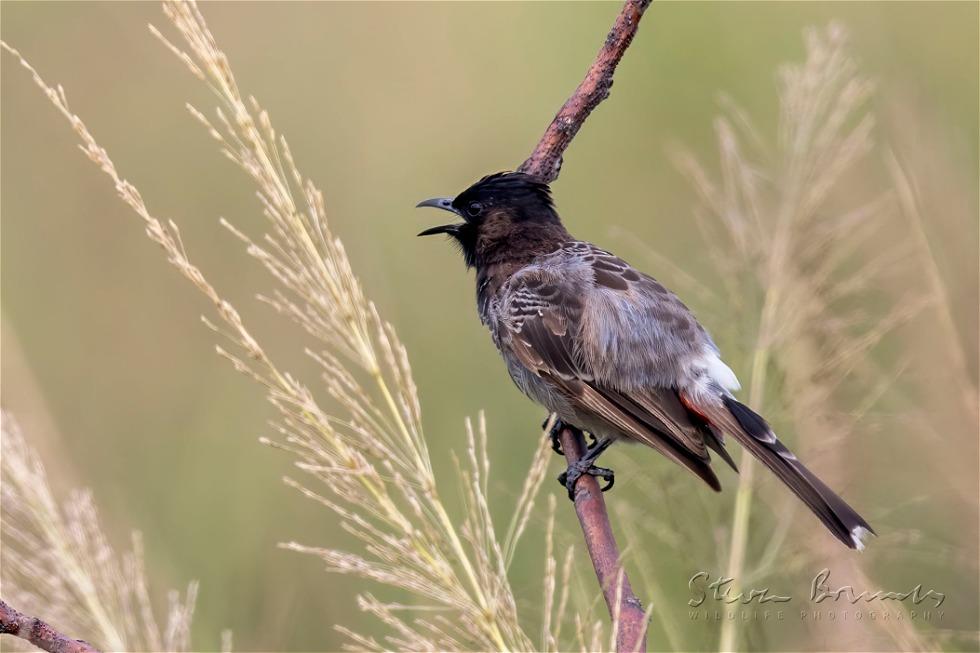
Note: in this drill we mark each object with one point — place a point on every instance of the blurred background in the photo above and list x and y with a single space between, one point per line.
115 380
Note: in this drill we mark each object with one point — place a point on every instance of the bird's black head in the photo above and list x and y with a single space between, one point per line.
503 214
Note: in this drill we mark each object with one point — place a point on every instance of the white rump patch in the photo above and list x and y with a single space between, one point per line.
858 533
719 372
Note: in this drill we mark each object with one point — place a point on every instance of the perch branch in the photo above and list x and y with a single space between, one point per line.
590 508
545 161
38 633
545 164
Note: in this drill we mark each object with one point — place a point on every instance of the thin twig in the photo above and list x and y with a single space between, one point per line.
590 508
13 622
545 161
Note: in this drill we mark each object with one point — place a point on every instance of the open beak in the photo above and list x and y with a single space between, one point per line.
446 204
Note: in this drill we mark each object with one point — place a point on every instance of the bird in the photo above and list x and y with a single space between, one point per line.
609 349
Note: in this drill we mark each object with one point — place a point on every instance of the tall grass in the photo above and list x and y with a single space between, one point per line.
56 561
364 457
791 239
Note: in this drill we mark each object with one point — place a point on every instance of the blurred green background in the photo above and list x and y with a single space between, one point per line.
115 380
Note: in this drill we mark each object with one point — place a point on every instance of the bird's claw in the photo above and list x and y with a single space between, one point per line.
575 471
555 434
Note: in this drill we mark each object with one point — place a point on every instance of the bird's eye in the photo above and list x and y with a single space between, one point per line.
474 209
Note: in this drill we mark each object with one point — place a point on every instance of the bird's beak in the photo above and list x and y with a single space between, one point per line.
446 204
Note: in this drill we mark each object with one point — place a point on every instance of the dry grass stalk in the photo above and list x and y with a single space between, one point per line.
909 203
370 462
58 564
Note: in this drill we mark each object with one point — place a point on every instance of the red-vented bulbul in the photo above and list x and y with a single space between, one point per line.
608 348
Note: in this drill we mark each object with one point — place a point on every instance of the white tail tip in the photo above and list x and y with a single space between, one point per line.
858 534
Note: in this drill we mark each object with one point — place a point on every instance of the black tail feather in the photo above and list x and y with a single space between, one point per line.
754 433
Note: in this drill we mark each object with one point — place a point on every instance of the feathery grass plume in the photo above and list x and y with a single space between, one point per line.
369 460
58 564
784 235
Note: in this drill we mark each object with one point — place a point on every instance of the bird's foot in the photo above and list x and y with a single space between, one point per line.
570 476
585 467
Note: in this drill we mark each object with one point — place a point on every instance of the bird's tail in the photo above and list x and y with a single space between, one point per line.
753 433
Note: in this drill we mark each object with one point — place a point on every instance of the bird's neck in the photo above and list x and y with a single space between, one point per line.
518 245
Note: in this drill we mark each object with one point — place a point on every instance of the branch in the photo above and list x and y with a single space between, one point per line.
590 507
545 161
38 633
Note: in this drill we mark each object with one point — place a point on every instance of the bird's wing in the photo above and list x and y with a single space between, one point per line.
540 325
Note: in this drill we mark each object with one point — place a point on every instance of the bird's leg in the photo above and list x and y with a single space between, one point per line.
584 466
